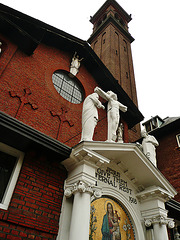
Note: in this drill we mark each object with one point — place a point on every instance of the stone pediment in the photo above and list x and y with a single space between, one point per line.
125 157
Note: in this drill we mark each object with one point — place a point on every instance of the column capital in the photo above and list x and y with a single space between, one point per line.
82 187
161 220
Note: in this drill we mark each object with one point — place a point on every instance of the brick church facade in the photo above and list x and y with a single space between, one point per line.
44 169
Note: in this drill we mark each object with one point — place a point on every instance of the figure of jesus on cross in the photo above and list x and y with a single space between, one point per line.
113 114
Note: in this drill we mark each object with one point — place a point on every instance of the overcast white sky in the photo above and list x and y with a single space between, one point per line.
155 26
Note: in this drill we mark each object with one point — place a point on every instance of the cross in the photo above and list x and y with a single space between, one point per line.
62 119
23 100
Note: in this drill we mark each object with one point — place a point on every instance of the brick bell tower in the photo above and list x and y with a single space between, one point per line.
111 41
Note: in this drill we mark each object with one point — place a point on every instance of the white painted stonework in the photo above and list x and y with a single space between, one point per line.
119 171
113 115
14 176
149 145
90 116
75 64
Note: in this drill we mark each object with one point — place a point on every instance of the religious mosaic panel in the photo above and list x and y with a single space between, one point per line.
109 221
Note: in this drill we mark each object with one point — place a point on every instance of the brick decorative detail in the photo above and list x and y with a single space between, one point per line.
23 100
62 119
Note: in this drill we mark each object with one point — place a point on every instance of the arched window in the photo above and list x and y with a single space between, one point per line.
69 88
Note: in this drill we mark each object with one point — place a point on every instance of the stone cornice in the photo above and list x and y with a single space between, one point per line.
154 192
13 129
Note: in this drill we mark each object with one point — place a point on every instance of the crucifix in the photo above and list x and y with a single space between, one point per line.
23 100
113 114
62 119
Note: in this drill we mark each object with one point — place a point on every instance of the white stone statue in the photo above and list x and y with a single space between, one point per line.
112 111
75 64
149 145
120 133
90 116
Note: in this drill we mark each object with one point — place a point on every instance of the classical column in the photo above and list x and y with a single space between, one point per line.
160 224
82 191
152 205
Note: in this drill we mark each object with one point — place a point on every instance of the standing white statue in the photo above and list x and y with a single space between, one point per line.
75 64
113 112
90 116
148 144
120 133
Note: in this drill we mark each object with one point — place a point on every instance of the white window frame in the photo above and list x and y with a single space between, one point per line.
14 176
178 139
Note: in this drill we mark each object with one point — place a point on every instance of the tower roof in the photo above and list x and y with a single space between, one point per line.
118 8
111 12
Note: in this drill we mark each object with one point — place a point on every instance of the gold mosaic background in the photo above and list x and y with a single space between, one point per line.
99 207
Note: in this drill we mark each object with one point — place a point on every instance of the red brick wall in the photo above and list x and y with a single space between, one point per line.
34 74
35 206
168 158
134 133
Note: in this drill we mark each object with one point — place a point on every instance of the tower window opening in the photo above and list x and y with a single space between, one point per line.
104 17
116 16
122 22
99 23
